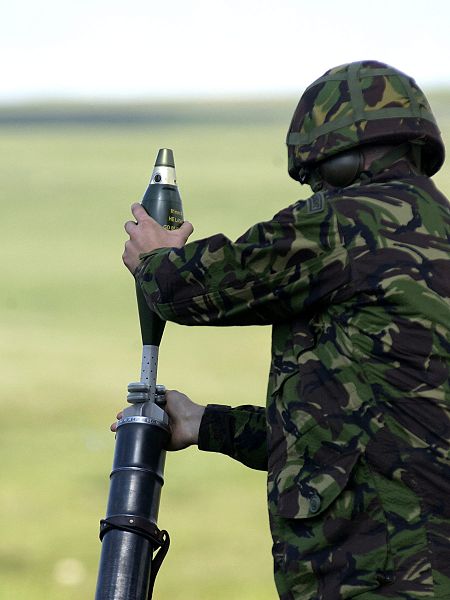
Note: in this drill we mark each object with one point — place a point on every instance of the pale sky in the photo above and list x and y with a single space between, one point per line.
144 49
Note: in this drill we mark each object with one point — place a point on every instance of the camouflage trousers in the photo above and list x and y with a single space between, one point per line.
386 535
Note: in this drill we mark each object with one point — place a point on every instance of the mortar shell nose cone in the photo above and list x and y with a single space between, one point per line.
165 158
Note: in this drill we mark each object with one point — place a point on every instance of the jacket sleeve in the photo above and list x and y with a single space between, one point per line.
275 270
240 432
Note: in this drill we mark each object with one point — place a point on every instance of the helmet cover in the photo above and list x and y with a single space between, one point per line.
358 103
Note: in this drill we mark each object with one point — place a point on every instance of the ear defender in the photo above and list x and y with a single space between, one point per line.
342 169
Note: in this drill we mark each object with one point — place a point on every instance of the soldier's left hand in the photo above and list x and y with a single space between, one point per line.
147 235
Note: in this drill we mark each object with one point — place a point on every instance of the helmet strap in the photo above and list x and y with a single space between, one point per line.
315 180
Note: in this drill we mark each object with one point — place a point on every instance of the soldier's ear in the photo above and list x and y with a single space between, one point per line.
341 170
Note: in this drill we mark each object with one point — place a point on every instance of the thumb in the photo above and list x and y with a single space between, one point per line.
185 231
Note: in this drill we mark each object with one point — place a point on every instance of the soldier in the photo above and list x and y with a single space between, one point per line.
355 282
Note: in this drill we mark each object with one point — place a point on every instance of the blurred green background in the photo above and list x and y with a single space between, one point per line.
70 339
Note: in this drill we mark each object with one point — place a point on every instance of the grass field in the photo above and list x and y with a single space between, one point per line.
70 344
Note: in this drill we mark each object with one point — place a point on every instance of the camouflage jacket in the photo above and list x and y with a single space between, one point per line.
356 284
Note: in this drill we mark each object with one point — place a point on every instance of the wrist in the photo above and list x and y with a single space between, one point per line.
216 429
195 422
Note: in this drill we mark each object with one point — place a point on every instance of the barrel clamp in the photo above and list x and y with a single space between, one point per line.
158 538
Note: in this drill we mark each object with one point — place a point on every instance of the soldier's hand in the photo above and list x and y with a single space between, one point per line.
114 425
185 418
147 235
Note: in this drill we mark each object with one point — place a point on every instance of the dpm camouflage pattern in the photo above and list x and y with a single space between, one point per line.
356 430
362 103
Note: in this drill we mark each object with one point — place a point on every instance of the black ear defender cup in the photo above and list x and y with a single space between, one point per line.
342 169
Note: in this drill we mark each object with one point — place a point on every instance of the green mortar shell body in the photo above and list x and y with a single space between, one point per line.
162 202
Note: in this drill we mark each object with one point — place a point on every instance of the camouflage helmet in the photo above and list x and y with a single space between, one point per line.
365 102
